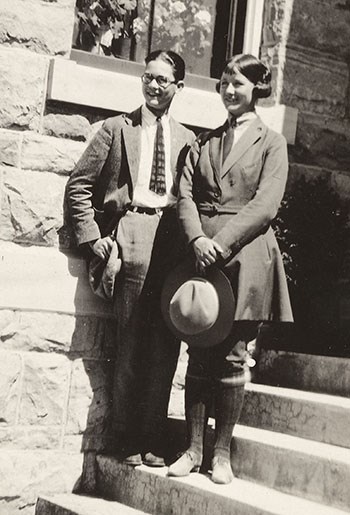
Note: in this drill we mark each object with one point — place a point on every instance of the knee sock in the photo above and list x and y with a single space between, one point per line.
228 407
198 396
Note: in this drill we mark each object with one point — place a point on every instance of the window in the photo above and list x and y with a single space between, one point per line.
203 32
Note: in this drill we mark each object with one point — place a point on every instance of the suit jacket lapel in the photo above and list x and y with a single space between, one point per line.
215 151
250 136
131 134
175 145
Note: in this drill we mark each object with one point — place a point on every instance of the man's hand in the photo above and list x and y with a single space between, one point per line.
102 247
207 251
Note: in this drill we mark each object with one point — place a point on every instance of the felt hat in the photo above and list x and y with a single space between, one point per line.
198 309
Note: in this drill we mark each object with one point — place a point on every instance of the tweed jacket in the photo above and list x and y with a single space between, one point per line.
101 185
234 203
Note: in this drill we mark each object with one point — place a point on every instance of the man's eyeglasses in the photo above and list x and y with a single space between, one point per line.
162 81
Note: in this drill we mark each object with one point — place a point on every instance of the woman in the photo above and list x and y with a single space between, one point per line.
231 188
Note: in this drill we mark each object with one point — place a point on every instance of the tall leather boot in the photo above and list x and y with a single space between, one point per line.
198 397
228 406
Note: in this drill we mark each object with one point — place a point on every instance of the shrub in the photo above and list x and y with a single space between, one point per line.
313 234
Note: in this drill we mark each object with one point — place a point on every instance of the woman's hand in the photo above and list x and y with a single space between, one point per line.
207 251
102 247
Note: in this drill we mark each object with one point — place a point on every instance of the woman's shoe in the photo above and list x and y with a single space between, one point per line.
222 472
190 461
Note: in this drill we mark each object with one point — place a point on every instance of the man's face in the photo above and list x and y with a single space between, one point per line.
158 98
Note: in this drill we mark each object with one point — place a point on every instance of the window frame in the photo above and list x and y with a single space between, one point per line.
251 45
113 85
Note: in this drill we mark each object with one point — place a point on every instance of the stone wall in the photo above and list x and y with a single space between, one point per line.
307 43
53 363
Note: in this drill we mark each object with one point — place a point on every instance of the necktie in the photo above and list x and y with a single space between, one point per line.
157 181
228 141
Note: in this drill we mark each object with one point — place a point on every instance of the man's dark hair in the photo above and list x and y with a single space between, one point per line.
172 58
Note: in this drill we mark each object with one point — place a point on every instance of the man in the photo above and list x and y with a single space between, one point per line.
125 186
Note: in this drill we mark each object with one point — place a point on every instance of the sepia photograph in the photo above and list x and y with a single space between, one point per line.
174 257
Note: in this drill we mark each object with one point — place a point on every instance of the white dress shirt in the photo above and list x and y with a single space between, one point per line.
241 124
143 196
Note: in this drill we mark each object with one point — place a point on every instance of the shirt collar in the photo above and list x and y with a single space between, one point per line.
243 119
148 118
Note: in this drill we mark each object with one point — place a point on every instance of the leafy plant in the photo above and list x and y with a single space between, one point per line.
100 22
177 24
312 228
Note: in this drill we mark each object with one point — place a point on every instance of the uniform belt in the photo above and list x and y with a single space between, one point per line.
146 210
212 210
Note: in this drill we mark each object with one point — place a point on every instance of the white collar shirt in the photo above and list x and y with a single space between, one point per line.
143 196
241 124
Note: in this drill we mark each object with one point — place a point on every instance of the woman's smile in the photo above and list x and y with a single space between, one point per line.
236 93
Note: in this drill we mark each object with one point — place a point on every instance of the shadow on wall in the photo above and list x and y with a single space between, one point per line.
92 352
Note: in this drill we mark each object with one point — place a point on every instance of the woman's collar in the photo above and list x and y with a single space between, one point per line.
244 118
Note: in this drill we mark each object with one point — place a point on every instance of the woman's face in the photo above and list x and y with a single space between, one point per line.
236 92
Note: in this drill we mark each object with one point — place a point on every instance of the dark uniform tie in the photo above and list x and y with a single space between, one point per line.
228 140
157 182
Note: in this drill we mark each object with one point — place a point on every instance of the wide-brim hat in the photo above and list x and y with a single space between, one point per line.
198 309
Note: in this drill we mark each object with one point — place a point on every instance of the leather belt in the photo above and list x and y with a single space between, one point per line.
146 210
213 210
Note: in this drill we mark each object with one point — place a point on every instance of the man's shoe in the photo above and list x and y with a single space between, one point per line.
151 460
134 460
190 461
222 472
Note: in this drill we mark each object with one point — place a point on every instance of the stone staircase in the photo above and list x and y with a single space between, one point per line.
290 454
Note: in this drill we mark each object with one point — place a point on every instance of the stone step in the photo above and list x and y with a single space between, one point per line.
151 490
323 374
310 415
313 470
71 504
317 471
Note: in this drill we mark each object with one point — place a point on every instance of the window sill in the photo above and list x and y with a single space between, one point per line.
132 68
118 88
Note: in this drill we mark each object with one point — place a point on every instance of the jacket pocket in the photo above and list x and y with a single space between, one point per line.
251 174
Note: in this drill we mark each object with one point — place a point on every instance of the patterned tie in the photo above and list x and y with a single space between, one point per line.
228 140
157 182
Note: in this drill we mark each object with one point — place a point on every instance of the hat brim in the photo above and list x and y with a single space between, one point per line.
221 328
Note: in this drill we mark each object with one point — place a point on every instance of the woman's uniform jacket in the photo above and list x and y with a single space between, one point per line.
101 185
234 203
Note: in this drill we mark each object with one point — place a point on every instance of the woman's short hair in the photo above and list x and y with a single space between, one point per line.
254 70
172 58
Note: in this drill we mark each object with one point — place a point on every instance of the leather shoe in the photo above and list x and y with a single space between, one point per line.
151 460
222 472
190 461
134 460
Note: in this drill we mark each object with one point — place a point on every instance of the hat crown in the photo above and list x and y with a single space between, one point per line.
194 307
